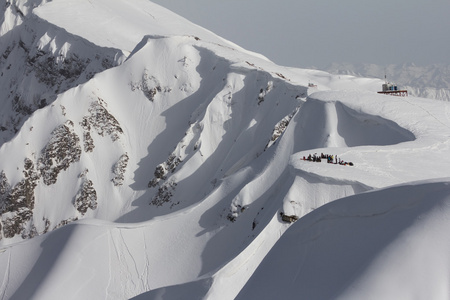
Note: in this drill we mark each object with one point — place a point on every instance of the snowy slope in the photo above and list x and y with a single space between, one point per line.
387 244
121 24
165 176
48 49
39 60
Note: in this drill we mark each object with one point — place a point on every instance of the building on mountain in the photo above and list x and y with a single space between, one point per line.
392 89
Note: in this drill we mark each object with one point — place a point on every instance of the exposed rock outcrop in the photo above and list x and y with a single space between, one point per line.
119 170
18 202
62 150
86 197
101 121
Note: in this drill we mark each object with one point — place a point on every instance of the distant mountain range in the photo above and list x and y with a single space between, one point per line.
432 81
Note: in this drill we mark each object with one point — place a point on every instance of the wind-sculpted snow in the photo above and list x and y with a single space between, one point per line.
333 124
121 25
387 244
175 121
175 172
204 172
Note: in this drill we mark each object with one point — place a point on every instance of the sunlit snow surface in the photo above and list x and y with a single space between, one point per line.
215 106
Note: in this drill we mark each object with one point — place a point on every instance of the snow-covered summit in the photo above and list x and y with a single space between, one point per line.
121 24
165 160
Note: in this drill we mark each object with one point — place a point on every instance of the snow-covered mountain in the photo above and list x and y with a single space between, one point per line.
432 81
168 163
40 60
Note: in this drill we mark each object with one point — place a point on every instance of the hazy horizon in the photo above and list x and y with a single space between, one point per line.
312 33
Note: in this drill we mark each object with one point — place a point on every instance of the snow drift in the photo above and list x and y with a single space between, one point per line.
386 244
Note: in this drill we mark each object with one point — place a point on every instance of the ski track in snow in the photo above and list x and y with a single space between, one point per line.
430 114
111 246
6 275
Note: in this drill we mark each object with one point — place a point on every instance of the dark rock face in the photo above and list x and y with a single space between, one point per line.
165 193
17 203
166 188
280 128
119 170
86 197
88 142
101 121
62 150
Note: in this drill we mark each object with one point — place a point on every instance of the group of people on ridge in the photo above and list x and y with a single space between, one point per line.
331 159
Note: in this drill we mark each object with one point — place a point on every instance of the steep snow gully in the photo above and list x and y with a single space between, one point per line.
165 173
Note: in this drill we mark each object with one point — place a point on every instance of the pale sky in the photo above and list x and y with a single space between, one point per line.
306 33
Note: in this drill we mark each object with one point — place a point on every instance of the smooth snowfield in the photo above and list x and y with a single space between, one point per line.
215 138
